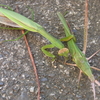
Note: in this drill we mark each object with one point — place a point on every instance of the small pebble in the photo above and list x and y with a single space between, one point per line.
44 79
51 75
66 71
0 88
1 56
61 66
52 94
32 89
1 83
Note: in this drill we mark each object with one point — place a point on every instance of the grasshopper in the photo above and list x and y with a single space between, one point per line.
78 57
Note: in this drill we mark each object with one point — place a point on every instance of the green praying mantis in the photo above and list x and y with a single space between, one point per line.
14 19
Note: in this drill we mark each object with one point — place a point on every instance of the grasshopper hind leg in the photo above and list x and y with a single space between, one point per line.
97 82
79 77
93 54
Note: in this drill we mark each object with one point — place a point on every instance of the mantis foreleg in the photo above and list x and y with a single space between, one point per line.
61 51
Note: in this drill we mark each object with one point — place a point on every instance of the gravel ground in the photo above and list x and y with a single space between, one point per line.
58 81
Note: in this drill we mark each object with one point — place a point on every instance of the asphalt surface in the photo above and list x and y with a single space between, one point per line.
57 81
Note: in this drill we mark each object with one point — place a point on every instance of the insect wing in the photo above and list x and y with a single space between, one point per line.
6 21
